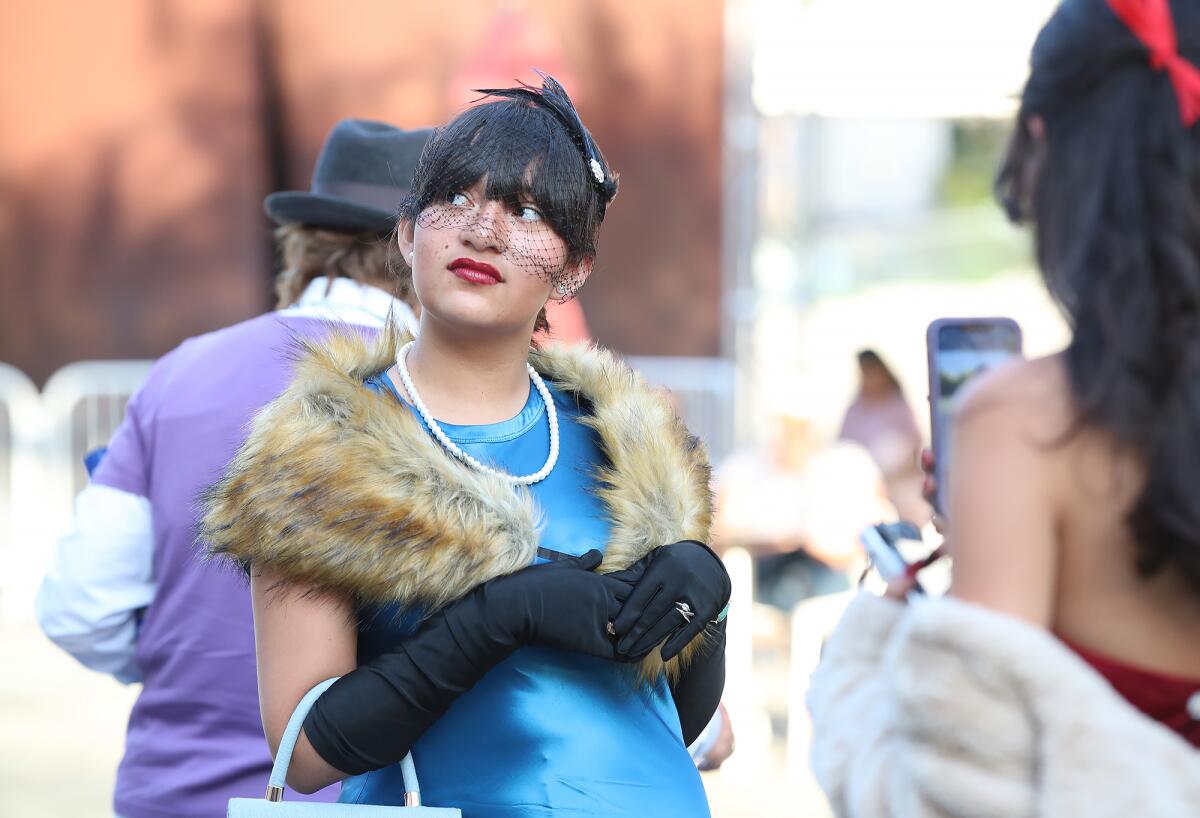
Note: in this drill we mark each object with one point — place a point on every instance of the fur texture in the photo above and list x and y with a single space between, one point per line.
336 489
946 709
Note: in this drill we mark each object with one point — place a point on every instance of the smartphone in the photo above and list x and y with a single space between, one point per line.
885 546
960 349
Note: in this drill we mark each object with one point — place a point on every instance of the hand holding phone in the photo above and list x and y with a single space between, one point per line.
929 488
883 546
961 349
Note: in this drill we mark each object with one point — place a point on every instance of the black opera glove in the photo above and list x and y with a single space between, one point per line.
371 716
555 605
678 590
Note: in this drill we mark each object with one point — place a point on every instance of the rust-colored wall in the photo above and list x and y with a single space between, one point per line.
138 140
130 177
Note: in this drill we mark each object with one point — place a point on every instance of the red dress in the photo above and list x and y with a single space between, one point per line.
1171 701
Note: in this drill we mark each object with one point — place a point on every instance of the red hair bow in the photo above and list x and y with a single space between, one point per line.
1150 21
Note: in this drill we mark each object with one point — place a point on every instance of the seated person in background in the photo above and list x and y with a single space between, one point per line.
798 506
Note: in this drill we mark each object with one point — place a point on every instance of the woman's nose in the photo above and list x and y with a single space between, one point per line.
486 229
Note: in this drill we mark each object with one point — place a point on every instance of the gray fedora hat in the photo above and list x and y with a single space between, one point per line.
365 169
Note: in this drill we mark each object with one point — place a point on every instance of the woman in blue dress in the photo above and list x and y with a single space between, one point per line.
499 548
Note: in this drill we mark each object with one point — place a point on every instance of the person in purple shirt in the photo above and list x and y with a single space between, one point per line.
126 592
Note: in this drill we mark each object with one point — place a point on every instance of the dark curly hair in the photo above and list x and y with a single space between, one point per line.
1113 193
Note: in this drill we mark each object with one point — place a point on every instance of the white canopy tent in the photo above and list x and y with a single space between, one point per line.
892 58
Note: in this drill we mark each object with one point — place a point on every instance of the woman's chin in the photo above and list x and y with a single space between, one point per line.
460 320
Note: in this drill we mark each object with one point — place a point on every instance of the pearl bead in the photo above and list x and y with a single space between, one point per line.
452 447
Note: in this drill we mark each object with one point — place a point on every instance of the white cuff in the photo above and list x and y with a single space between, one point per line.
100 576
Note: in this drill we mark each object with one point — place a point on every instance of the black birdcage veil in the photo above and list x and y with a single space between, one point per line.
524 176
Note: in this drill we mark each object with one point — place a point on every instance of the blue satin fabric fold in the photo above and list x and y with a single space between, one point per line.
546 731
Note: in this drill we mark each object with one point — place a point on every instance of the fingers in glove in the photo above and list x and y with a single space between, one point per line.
591 635
598 605
617 590
682 638
653 635
634 573
644 593
656 608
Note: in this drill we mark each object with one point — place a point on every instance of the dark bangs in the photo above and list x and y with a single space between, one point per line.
526 155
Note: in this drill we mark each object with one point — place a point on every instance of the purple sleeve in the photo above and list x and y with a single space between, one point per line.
125 464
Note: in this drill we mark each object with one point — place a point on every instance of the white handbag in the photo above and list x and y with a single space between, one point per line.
273 806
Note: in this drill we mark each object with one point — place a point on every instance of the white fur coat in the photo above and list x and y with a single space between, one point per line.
943 708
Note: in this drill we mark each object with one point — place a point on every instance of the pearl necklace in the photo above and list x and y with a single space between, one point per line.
452 447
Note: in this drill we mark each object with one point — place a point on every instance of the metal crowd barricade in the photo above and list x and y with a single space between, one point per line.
78 410
85 402
20 469
743 691
703 391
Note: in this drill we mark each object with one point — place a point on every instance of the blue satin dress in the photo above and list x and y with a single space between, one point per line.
546 732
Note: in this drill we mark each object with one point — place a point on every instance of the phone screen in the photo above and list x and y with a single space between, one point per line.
961 350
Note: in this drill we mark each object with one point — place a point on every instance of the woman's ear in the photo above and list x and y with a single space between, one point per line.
406 240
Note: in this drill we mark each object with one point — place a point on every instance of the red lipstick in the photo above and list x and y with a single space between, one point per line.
476 272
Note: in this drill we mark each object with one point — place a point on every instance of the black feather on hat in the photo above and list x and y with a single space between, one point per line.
554 97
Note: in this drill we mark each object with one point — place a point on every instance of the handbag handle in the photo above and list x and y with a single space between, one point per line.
283 757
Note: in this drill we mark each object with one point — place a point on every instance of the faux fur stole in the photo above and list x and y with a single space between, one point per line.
337 488
979 713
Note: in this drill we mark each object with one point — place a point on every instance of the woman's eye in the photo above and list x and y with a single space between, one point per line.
529 213
459 199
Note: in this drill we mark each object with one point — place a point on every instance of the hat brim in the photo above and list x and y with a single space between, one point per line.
314 210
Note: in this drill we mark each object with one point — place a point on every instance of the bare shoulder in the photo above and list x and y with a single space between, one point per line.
1032 397
1004 488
